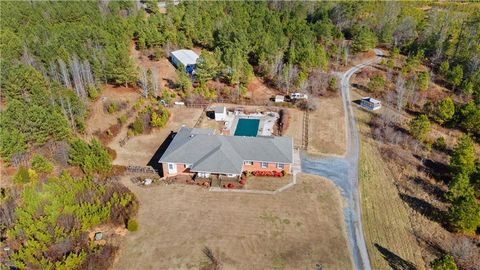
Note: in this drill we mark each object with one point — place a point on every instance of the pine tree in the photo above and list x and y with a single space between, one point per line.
420 127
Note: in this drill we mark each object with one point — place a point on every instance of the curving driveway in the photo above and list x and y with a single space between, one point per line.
344 172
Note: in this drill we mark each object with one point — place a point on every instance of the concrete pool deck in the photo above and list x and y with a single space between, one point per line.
265 126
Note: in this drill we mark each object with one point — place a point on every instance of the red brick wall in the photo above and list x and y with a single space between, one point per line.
257 166
180 169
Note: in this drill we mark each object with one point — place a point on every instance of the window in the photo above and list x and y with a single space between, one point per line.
188 166
231 175
172 168
248 163
264 164
280 165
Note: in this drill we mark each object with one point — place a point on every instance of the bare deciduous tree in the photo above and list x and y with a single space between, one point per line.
400 89
155 86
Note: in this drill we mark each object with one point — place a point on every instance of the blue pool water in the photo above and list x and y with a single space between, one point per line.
247 127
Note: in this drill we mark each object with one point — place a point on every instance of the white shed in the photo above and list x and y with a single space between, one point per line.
185 58
220 113
279 98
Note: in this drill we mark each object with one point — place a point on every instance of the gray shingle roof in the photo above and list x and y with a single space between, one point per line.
208 152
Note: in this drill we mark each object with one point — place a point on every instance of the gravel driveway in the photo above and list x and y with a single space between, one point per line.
344 172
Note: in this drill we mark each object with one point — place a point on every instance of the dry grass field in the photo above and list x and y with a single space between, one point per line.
267 183
296 229
295 126
327 127
386 223
140 149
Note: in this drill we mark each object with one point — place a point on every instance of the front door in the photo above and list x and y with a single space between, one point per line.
172 168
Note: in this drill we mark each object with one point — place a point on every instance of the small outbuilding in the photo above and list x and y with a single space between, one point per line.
185 58
279 98
371 103
220 113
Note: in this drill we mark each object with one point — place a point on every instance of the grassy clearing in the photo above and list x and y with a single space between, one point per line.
327 127
295 229
386 223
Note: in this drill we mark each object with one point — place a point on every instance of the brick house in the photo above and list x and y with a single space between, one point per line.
200 152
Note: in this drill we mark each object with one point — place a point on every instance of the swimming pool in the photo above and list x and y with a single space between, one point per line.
247 127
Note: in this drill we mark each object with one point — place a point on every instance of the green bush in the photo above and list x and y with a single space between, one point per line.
123 119
159 120
92 92
92 158
41 164
444 263
22 176
132 225
376 83
419 127
112 107
440 143
137 126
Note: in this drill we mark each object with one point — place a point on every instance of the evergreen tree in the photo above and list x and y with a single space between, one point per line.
363 40
464 214
463 157
459 186
444 263
444 111
420 127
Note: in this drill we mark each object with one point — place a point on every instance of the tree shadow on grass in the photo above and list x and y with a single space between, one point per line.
158 154
429 188
361 87
394 261
423 207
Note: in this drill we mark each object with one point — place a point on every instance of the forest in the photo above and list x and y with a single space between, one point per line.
57 56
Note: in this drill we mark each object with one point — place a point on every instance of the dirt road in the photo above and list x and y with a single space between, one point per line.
344 172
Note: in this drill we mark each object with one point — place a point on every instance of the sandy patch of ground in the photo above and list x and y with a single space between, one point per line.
140 149
98 119
327 127
296 229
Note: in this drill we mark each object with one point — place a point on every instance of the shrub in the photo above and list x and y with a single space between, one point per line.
32 174
22 176
440 143
419 127
92 92
376 83
132 225
112 107
123 119
444 263
90 157
159 120
41 164
137 126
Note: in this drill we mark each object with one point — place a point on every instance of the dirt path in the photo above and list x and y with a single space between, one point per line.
344 172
